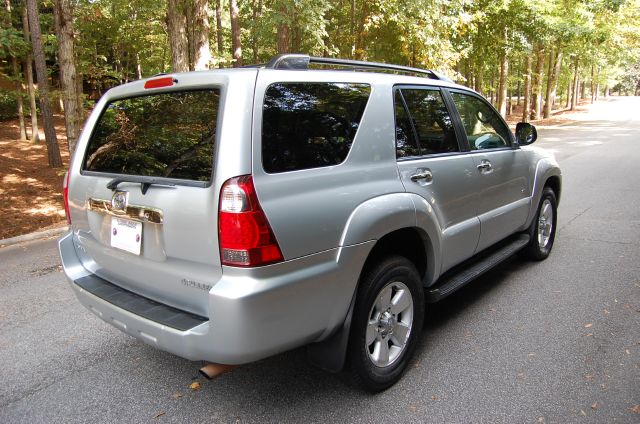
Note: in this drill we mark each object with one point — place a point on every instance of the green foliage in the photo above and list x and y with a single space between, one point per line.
117 36
12 43
120 40
9 104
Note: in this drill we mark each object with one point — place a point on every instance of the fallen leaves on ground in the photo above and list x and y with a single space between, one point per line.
159 414
177 395
636 409
588 325
31 192
194 386
594 405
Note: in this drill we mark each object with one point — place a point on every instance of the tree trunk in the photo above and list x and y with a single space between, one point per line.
73 115
593 85
359 51
138 66
526 106
295 31
518 92
53 150
201 27
583 86
536 84
556 76
177 29
352 28
256 9
555 61
569 92
236 48
283 31
479 81
18 88
16 75
35 132
502 84
219 31
574 89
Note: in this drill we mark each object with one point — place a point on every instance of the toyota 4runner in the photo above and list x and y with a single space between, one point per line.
230 215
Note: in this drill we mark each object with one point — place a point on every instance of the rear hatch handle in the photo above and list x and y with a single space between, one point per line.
145 182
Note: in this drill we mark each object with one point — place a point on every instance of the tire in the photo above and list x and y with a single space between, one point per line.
387 322
543 228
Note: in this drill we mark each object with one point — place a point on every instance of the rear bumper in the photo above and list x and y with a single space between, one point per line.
253 313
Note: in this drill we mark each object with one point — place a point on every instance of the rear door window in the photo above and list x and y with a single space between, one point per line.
169 135
310 125
423 123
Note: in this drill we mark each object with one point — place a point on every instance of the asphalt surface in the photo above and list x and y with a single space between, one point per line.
553 342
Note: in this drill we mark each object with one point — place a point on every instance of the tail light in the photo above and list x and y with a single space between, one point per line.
245 236
65 196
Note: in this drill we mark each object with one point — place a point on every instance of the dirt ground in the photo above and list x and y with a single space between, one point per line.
31 192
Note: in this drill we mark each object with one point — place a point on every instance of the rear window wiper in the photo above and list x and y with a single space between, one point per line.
145 182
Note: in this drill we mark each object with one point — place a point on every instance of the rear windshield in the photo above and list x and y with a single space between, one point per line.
310 125
168 135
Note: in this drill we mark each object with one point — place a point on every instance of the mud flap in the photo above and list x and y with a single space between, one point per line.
331 354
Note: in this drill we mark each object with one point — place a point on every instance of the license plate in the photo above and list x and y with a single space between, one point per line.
126 234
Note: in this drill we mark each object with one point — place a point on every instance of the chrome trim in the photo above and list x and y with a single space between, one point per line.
139 213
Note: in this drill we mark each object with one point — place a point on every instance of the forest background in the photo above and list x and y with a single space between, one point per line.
545 53
57 57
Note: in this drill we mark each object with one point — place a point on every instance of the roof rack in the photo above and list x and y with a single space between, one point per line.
302 61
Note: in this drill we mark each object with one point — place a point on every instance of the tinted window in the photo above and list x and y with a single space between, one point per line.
406 142
161 135
484 128
310 125
427 117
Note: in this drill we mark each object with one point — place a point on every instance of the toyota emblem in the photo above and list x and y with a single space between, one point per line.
119 200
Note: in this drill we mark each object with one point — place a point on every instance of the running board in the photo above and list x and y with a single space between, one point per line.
456 281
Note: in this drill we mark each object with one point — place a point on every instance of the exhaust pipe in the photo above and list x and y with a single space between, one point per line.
212 370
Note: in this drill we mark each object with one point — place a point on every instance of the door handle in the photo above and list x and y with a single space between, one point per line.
422 175
485 166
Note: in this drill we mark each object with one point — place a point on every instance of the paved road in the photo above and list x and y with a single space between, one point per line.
557 341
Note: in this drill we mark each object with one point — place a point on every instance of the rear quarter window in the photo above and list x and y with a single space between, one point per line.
168 135
310 125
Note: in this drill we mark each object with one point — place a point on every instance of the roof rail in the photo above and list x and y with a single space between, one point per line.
302 61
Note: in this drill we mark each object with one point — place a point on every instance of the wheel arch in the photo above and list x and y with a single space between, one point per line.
547 174
556 185
410 241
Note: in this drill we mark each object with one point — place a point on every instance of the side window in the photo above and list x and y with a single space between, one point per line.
484 128
423 124
310 125
406 143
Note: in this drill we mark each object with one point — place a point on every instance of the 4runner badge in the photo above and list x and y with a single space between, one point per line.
119 200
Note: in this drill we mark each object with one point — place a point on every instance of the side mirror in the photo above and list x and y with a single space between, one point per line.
525 133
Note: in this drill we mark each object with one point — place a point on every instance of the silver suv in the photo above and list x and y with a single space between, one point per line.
230 215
